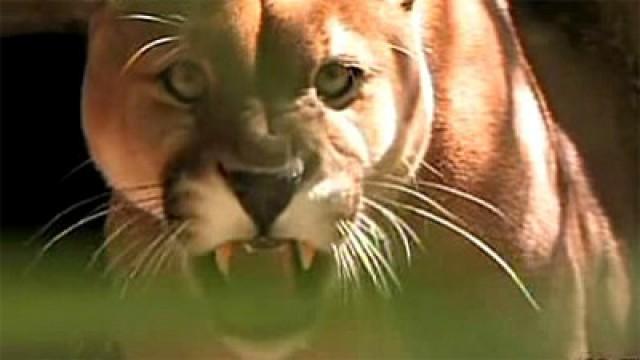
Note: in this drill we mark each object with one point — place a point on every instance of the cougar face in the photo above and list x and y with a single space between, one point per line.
247 127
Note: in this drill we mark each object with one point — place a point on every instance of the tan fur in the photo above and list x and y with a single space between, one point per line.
470 109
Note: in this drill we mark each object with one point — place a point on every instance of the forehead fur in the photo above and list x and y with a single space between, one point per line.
247 17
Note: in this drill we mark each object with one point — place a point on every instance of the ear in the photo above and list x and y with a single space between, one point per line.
32 16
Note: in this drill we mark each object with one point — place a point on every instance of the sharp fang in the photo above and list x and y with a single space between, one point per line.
307 253
223 255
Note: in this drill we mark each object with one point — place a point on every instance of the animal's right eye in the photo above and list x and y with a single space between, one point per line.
338 84
185 81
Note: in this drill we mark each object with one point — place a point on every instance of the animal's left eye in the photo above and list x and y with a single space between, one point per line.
185 81
337 84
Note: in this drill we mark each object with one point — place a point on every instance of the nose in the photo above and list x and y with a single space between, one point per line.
265 194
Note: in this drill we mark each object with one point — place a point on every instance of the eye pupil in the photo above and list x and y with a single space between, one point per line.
336 84
185 81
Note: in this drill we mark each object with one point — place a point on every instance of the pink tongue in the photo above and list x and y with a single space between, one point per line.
270 270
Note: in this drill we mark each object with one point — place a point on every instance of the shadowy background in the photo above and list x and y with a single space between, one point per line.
42 143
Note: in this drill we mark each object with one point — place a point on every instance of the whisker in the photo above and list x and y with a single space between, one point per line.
167 249
165 40
376 232
350 268
125 287
356 253
465 195
62 213
432 169
481 245
403 50
398 225
112 237
365 258
40 254
339 265
75 170
71 228
414 236
486 204
375 253
363 246
152 18
416 194
114 262
147 252
176 17
170 55
153 267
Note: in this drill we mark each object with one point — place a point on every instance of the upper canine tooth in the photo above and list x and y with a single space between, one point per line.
307 253
223 255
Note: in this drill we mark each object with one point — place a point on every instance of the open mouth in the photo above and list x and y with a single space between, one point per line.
265 287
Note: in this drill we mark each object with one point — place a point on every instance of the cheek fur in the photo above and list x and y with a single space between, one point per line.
213 212
376 118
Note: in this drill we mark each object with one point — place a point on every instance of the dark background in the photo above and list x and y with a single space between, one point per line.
41 135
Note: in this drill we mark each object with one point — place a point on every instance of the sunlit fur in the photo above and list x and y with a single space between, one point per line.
449 132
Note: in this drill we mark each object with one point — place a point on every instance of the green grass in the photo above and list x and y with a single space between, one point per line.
47 311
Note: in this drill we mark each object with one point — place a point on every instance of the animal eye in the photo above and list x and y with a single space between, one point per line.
337 84
185 81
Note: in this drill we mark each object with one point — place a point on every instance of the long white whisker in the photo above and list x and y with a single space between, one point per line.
429 201
459 193
486 249
156 19
343 276
403 50
115 260
170 55
351 268
432 168
64 212
364 242
375 253
166 249
148 47
397 224
358 251
112 237
360 243
375 231
146 253
465 195
70 229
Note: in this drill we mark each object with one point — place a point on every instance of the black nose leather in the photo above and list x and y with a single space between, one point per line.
264 195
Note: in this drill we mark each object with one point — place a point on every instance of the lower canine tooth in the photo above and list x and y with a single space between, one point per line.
307 253
223 255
